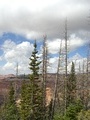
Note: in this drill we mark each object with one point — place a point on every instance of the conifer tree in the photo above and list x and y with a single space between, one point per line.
71 87
73 110
34 63
31 94
36 90
10 109
25 105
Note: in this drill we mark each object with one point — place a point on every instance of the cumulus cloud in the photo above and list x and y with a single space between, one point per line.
16 53
76 42
73 43
33 18
53 46
8 45
20 53
52 68
79 62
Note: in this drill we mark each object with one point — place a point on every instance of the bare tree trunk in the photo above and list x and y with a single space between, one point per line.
65 82
56 84
44 74
87 79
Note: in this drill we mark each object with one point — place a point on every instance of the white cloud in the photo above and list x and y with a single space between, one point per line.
8 66
16 53
53 65
20 53
79 61
76 42
73 43
8 45
37 17
34 18
33 35
53 46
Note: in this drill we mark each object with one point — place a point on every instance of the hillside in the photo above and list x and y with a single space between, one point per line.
83 85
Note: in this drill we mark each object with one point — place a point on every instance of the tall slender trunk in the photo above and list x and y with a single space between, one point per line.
44 74
65 82
56 84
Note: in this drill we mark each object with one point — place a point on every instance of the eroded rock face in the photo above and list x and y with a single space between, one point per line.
49 95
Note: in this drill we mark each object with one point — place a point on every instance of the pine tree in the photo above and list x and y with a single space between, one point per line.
31 92
10 109
73 110
71 87
36 90
50 110
34 64
25 105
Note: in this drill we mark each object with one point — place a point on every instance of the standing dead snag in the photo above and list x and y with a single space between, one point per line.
87 98
56 84
65 82
44 74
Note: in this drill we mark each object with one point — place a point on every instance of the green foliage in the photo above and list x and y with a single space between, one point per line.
36 90
71 87
50 110
58 117
10 108
31 93
73 110
25 105
34 64
2 112
84 115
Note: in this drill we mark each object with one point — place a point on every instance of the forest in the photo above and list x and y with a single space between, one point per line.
44 59
70 99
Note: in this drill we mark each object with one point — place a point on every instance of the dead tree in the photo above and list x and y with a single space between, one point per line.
56 84
87 95
65 81
44 74
17 69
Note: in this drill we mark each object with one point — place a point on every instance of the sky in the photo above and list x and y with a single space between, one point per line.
23 21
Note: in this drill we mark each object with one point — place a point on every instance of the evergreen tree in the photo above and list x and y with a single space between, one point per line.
36 90
71 87
10 109
84 115
34 64
25 105
73 110
50 110
31 93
